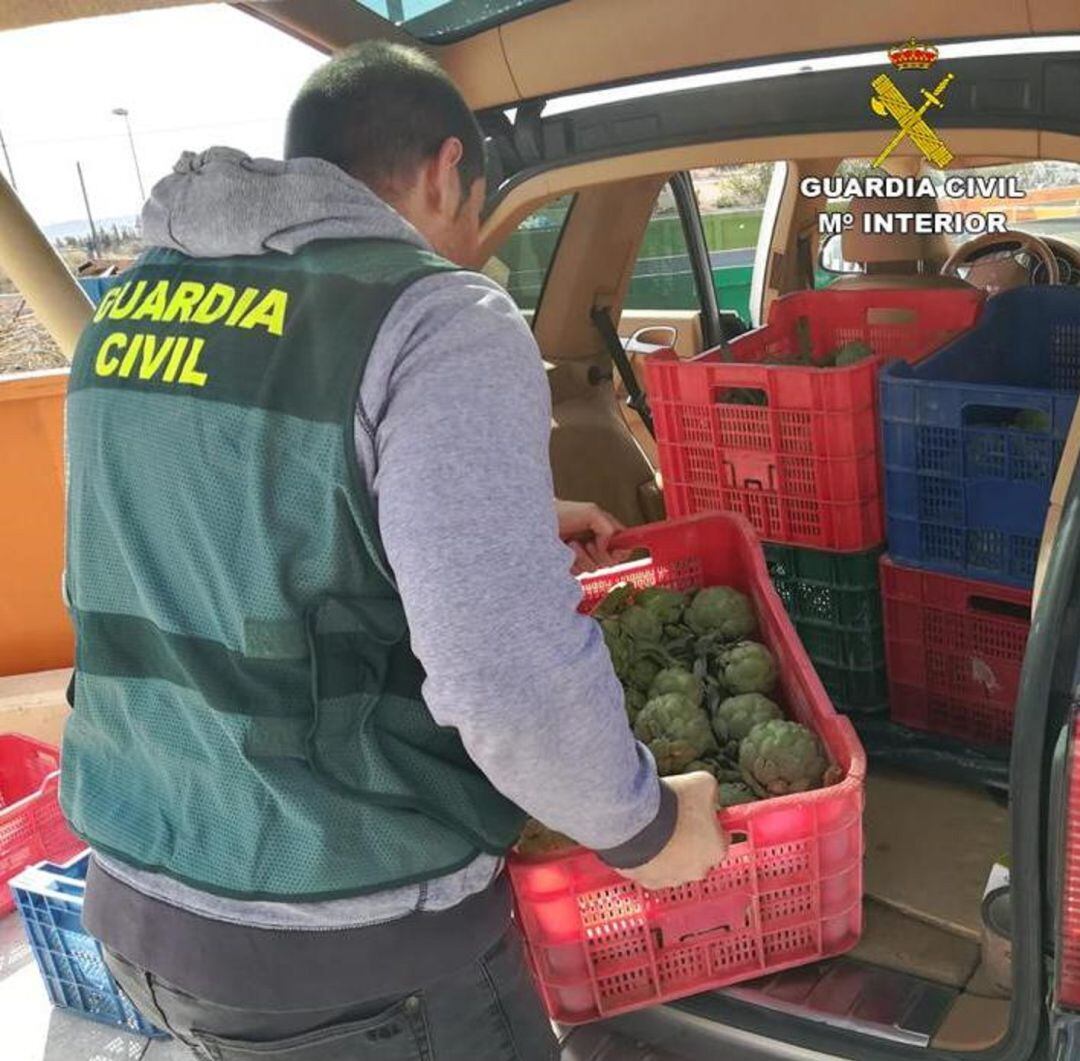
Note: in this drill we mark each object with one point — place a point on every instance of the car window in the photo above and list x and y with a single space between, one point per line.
1049 206
1051 202
732 200
830 264
663 277
443 20
521 264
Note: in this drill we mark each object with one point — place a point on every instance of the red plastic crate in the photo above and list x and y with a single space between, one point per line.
954 648
804 467
790 890
32 829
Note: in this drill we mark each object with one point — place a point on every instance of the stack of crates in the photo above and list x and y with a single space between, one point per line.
972 438
770 428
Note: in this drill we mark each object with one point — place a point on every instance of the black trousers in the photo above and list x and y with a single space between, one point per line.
488 1010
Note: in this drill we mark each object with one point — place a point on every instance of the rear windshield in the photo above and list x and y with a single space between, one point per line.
442 19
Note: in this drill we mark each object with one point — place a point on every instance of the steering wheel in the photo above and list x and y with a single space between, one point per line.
995 261
1068 259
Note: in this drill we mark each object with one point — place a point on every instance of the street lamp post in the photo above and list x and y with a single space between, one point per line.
122 112
95 247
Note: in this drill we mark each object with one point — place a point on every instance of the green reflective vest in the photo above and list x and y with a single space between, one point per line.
248 713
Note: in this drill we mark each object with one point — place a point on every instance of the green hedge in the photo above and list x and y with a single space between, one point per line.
667 282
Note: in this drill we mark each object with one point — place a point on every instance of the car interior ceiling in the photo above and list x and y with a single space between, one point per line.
930 843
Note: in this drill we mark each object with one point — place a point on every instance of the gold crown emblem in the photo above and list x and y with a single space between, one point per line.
913 55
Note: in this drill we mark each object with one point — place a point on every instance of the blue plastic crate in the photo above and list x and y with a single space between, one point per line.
49 899
972 437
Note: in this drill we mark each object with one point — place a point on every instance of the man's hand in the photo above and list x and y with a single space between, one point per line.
696 846
588 530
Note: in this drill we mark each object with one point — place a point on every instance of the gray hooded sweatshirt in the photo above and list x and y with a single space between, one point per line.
452 426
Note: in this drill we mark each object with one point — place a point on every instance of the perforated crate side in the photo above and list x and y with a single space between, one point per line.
973 435
49 900
32 826
955 648
793 447
835 602
789 892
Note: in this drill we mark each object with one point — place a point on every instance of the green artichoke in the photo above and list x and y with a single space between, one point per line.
744 395
1033 421
634 700
675 717
537 839
779 757
747 667
672 756
851 353
730 793
612 630
618 598
680 642
721 610
724 772
735 717
641 625
677 680
643 668
666 604
618 646
700 765
679 631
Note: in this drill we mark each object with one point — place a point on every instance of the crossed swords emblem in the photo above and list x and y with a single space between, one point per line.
890 100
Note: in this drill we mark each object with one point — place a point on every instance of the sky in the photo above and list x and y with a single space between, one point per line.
190 78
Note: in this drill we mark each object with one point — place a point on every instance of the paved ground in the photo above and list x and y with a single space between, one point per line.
32 1030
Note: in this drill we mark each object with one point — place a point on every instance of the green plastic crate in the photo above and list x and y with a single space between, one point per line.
834 599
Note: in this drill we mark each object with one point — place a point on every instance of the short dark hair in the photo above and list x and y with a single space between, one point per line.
378 111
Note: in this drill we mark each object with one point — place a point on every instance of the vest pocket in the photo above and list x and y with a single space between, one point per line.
352 655
398 1033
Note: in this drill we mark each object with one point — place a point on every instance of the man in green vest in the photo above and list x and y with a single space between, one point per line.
328 652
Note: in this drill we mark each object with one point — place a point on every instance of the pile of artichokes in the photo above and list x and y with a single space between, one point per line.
698 691
698 695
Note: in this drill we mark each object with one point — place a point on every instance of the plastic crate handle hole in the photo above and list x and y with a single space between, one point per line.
704 920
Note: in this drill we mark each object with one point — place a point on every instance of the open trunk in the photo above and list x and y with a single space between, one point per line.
919 984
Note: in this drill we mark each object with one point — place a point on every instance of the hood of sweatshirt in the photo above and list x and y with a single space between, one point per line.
222 202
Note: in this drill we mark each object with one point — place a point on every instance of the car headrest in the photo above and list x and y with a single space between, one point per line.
860 246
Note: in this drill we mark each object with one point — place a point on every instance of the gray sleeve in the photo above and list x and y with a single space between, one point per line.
457 429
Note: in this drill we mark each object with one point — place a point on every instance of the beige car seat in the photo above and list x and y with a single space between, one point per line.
896 260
